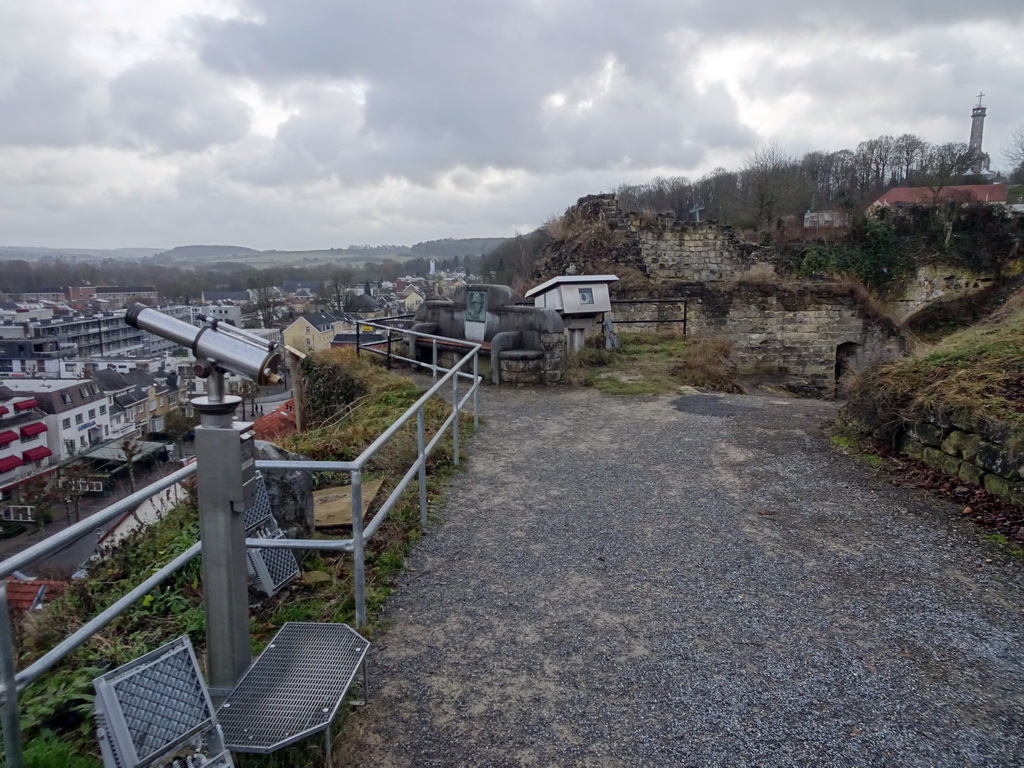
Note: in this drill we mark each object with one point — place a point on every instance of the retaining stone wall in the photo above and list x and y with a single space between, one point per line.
979 456
773 329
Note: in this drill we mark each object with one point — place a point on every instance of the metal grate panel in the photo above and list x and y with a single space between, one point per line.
272 568
153 706
294 688
259 508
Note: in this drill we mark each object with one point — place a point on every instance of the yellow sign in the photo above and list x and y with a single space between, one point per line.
367 328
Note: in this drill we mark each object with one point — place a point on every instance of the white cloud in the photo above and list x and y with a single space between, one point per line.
325 122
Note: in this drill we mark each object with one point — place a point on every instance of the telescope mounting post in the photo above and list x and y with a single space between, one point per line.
225 467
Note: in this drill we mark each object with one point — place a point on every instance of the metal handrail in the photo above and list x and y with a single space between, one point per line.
13 682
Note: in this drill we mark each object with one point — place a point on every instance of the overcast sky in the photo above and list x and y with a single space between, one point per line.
322 123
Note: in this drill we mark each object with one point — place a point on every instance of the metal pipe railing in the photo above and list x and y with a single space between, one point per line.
14 682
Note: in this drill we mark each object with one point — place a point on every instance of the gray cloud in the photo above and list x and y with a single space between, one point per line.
404 120
170 106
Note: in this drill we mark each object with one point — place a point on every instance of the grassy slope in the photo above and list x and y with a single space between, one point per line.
975 376
653 363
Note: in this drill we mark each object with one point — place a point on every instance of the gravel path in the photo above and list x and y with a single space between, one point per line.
691 581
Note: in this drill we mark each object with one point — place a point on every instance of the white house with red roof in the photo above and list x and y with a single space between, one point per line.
993 194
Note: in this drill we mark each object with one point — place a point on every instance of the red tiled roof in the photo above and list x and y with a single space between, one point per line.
277 423
35 454
968 193
33 429
21 594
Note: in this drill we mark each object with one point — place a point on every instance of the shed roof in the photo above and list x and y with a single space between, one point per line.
564 279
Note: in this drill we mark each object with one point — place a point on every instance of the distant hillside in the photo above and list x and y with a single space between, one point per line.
201 252
33 254
448 247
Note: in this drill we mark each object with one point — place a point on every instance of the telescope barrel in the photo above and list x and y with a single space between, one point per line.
229 351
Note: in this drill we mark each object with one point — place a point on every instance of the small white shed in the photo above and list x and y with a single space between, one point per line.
579 299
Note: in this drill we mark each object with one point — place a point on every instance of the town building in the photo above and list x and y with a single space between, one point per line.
24 449
77 412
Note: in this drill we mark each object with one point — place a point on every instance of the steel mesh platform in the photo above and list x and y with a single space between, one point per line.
150 709
259 507
294 688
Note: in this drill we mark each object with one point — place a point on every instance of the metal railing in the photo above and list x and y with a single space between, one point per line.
13 681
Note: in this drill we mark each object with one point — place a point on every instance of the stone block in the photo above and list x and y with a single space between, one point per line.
950 464
971 473
932 457
963 444
996 459
907 445
927 433
998 486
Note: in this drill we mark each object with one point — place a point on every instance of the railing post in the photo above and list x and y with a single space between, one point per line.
359 347
358 565
421 444
11 722
389 349
476 388
433 370
455 421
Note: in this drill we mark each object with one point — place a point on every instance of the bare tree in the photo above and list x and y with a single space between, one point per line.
1013 153
248 390
772 183
266 298
130 448
910 152
945 162
73 482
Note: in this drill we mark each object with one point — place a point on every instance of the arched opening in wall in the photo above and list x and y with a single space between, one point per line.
846 362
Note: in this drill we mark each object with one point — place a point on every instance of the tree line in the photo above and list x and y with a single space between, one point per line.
772 184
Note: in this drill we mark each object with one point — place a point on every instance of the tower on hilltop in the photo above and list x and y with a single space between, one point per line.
979 160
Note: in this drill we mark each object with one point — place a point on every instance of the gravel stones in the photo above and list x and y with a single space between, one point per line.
701 582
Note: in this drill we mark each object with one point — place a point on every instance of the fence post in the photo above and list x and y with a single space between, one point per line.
389 349
359 347
433 370
358 567
476 388
421 443
455 421
12 724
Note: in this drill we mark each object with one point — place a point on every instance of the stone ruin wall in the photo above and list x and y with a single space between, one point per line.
772 331
731 292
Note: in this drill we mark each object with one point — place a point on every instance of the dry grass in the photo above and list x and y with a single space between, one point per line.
762 274
974 377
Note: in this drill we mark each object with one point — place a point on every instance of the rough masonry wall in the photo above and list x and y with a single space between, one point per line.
772 329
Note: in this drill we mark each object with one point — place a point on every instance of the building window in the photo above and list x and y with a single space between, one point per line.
92 413
65 424
69 447
83 442
78 418
103 410
65 398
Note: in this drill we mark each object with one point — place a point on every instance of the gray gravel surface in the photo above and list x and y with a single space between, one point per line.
691 581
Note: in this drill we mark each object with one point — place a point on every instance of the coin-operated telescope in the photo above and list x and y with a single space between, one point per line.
218 348
225 477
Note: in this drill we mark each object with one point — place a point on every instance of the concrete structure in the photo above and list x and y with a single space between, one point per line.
526 344
979 160
581 300
117 296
